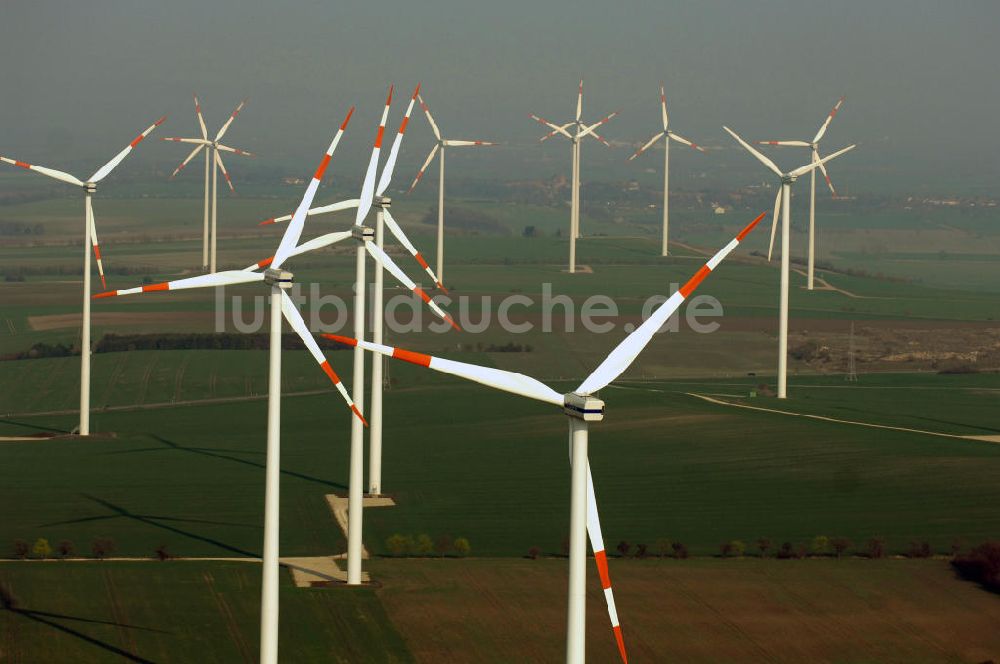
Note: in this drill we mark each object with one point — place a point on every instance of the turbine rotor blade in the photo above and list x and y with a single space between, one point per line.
232 116
591 128
681 139
774 223
579 102
320 242
648 144
663 108
197 149
225 173
601 560
506 381
756 153
294 318
242 153
227 278
201 120
290 238
194 141
103 171
92 224
459 144
398 233
625 353
802 170
390 163
796 144
383 259
826 176
323 209
368 187
561 129
423 168
553 127
51 172
430 118
829 118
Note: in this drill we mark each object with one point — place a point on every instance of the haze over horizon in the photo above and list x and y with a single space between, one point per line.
82 78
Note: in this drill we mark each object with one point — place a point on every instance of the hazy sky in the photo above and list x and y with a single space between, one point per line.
81 78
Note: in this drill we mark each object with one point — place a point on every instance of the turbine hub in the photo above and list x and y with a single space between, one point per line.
788 179
278 277
583 407
363 233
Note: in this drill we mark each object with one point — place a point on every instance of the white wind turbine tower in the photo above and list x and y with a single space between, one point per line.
581 407
580 131
89 237
441 144
382 203
667 136
781 204
212 149
814 146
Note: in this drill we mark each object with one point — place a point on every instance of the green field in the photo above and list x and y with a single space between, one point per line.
181 612
665 465
178 457
489 610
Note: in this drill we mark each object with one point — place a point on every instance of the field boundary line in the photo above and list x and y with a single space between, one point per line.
824 418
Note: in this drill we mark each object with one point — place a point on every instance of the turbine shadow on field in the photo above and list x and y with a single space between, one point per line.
155 521
33 426
48 619
214 453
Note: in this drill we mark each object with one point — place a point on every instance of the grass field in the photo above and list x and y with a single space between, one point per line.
181 612
696 611
490 610
665 465
178 457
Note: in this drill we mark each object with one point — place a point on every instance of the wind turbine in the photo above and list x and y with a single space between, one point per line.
667 136
383 219
212 149
814 146
279 281
441 144
580 407
89 236
580 131
781 203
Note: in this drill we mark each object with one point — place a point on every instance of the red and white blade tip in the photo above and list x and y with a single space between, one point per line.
343 125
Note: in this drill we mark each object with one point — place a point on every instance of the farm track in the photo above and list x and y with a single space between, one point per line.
227 616
167 404
179 377
824 418
125 640
144 383
116 375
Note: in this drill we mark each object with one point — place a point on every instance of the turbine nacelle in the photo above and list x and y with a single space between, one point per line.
90 187
278 277
363 233
583 407
383 202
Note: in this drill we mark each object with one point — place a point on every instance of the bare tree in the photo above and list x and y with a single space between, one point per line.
64 549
